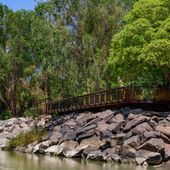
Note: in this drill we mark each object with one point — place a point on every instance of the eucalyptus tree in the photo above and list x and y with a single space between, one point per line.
91 25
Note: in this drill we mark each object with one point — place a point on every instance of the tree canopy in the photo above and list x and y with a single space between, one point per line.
140 51
67 48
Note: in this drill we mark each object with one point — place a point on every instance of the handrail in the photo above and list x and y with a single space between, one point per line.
114 96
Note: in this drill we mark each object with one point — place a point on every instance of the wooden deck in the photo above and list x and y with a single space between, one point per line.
116 97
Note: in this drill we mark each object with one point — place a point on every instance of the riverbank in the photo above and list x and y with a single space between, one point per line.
120 136
39 162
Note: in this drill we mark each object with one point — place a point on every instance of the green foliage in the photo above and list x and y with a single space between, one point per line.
31 112
58 50
25 139
140 51
5 115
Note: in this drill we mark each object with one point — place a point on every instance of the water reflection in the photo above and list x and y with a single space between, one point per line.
18 161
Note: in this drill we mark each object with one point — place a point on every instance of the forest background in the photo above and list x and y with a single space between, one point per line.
68 48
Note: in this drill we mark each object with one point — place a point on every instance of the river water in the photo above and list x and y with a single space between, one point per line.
19 161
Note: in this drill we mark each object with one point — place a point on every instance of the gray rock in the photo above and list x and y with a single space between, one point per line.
134 141
164 130
140 160
88 150
36 148
153 124
75 152
62 148
93 121
57 128
153 134
105 134
71 123
55 149
133 116
92 142
84 129
134 122
120 138
119 117
127 152
141 128
152 158
55 137
115 128
154 145
104 114
70 136
102 126
1 129
43 146
87 134
167 152
96 155
113 157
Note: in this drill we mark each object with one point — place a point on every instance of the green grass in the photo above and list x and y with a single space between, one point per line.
24 139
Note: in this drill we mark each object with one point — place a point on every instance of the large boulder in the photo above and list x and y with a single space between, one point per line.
96 155
36 148
104 114
92 142
133 141
141 128
152 158
55 137
62 148
134 122
167 152
115 127
127 152
105 134
85 129
87 134
102 126
71 123
154 134
75 152
154 145
88 149
164 130
70 136
55 149
120 138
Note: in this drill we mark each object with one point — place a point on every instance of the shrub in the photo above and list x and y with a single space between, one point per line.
5 115
31 112
25 138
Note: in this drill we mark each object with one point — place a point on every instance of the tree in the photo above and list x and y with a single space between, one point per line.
140 51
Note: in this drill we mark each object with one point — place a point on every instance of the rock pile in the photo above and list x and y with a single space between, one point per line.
13 127
119 136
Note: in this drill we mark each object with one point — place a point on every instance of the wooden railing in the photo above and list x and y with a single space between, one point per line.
113 97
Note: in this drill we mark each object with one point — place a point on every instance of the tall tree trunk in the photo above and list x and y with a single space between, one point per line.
14 96
47 90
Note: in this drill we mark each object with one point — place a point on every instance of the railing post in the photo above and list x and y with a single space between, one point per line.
99 98
105 97
84 101
94 99
89 100
111 97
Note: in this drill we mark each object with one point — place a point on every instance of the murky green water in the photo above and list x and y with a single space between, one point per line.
18 161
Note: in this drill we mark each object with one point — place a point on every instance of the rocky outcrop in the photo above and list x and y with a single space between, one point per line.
13 127
123 135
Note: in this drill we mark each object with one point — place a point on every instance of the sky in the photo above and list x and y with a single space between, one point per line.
19 4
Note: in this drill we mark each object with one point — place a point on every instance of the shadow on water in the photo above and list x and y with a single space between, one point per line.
18 161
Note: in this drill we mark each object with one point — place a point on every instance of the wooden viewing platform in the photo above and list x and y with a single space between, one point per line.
117 97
